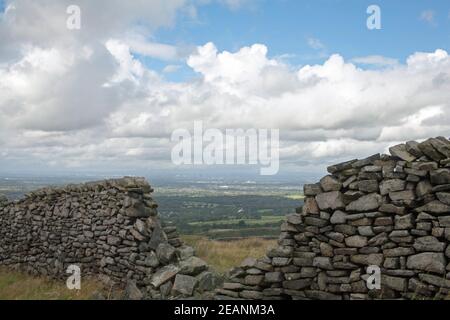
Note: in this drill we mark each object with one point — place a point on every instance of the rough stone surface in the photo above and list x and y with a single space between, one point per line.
331 200
368 202
429 262
184 285
387 211
110 229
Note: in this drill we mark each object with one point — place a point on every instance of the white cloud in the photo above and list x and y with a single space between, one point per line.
85 100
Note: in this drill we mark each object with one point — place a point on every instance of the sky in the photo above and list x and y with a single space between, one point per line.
107 97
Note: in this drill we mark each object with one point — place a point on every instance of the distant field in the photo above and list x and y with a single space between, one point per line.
221 217
296 197
264 220
224 255
20 286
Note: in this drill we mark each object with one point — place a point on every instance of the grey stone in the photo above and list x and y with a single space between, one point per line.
297 284
254 280
390 208
367 161
111 240
326 250
404 222
329 183
330 200
392 185
151 260
428 243
366 203
295 219
394 283
158 236
248 263
398 252
312 221
427 148
341 166
429 262
442 145
310 206
185 252
368 186
251 294
402 195
184 284
401 152
440 176
444 221
322 263
163 275
312 189
368 259
166 253
439 282
412 147
192 266
434 207
423 188
356 241
274 277
280 251
366 231
280 262
444 197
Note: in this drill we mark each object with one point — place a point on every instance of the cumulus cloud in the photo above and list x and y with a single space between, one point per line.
86 99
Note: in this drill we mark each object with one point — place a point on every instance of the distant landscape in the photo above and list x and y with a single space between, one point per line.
214 208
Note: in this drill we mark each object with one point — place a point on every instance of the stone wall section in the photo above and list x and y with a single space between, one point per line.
390 211
109 228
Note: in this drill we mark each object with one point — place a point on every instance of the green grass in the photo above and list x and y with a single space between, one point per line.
21 286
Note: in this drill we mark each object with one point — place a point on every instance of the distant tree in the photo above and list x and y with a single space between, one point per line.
242 224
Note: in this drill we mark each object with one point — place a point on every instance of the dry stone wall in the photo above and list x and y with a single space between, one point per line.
390 211
109 228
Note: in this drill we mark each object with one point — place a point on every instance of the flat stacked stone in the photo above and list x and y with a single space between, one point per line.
109 228
390 211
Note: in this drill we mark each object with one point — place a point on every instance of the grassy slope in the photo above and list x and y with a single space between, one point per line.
223 255
19 286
